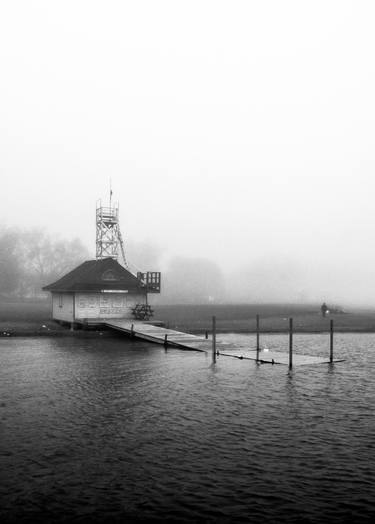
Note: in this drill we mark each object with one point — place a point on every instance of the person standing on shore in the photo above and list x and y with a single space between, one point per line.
324 309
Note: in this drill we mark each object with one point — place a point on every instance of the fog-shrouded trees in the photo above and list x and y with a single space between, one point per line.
142 256
10 267
192 281
30 259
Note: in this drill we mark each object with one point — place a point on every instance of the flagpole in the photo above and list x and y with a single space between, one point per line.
110 193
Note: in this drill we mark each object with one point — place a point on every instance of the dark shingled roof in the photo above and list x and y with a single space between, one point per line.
95 275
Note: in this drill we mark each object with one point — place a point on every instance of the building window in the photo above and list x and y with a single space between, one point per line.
117 301
104 301
81 303
92 302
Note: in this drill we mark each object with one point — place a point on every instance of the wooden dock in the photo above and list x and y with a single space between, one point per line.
178 339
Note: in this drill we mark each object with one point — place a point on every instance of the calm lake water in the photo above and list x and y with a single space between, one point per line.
113 430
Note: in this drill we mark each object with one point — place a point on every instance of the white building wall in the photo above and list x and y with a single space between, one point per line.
63 306
106 305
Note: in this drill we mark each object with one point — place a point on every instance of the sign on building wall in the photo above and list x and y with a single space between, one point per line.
105 301
111 305
115 305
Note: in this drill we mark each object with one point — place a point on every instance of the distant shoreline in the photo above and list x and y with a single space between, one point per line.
107 333
33 319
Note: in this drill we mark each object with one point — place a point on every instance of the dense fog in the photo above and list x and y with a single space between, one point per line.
32 258
238 138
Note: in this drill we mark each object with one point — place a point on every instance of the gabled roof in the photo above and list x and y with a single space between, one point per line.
97 275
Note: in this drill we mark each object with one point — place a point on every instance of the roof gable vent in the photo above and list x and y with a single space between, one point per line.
109 275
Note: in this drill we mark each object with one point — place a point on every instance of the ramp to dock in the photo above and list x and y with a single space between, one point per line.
157 334
181 340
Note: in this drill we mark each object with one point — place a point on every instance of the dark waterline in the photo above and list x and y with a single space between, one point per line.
115 430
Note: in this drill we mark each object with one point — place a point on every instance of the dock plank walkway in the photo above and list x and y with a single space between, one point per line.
178 339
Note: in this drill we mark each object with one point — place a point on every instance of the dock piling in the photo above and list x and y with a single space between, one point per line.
257 331
290 343
331 342
182 340
214 340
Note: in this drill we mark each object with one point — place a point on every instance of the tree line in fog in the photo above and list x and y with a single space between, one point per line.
185 280
32 258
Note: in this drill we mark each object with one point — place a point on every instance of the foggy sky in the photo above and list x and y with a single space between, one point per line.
241 132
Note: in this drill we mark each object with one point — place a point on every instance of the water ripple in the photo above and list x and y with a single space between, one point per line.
114 430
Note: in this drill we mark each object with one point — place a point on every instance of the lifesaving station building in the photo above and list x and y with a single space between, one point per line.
102 288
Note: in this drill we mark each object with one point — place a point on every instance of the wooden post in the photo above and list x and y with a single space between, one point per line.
132 331
74 308
206 335
165 340
331 342
290 343
258 348
214 339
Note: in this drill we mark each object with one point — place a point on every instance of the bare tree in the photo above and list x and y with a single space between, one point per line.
10 270
45 259
32 258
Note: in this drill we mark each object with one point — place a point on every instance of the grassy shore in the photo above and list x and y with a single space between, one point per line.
273 318
34 318
30 318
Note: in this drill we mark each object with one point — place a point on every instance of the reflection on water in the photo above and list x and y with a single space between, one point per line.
106 429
